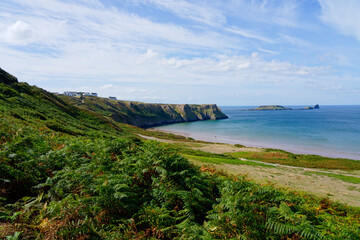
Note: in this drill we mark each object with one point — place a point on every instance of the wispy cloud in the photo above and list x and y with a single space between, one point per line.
250 34
86 23
187 10
178 50
342 15
294 40
283 12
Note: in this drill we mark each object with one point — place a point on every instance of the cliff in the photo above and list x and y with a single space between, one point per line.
107 111
147 114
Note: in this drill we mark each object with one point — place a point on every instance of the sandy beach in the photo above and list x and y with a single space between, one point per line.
258 144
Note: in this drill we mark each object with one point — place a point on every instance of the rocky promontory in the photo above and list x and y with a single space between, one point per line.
148 114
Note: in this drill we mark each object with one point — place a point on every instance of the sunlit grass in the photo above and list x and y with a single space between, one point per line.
344 178
299 160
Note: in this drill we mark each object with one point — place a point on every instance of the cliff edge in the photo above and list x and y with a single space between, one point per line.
147 114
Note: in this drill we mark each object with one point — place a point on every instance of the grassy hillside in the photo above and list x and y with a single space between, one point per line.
146 114
69 173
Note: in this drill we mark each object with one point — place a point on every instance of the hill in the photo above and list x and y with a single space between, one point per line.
69 173
146 114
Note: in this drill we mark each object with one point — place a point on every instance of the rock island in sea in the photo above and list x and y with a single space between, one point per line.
279 107
270 107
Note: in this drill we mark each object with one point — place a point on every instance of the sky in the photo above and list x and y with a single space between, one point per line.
228 52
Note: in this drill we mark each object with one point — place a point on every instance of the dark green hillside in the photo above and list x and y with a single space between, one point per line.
34 107
146 114
7 78
69 173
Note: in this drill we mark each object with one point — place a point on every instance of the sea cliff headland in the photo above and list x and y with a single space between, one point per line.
148 114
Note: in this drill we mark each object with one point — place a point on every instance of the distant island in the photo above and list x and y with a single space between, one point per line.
311 108
279 107
270 108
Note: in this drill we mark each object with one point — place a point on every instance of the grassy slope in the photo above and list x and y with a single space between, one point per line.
299 160
67 173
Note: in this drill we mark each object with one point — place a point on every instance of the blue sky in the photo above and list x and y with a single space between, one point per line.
229 52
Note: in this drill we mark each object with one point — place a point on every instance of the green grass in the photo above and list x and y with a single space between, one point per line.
344 178
299 160
215 160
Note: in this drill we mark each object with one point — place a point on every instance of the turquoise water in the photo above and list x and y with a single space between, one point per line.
332 131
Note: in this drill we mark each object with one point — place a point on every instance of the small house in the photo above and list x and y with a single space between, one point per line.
71 94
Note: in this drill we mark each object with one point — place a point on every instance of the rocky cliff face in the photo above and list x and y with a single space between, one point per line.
147 114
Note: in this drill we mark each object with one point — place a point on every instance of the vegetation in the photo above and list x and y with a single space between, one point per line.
69 173
218 160
146 114
344 178
299 160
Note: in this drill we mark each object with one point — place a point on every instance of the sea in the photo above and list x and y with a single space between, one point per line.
331 131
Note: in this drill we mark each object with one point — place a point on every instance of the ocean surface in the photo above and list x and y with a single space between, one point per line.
332 131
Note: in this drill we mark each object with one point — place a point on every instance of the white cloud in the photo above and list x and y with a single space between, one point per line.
84 43
294 40
342 15
107 86
249 34
19 33
149 55
196 12
283 12
57 21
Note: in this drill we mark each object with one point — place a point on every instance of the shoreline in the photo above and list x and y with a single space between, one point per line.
257 144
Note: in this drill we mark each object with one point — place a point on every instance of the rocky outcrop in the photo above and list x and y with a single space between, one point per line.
311 108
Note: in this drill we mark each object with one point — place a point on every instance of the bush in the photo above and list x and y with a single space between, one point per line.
7 91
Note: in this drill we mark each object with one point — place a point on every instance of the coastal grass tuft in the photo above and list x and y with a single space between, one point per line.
344 178
299 160
217 160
